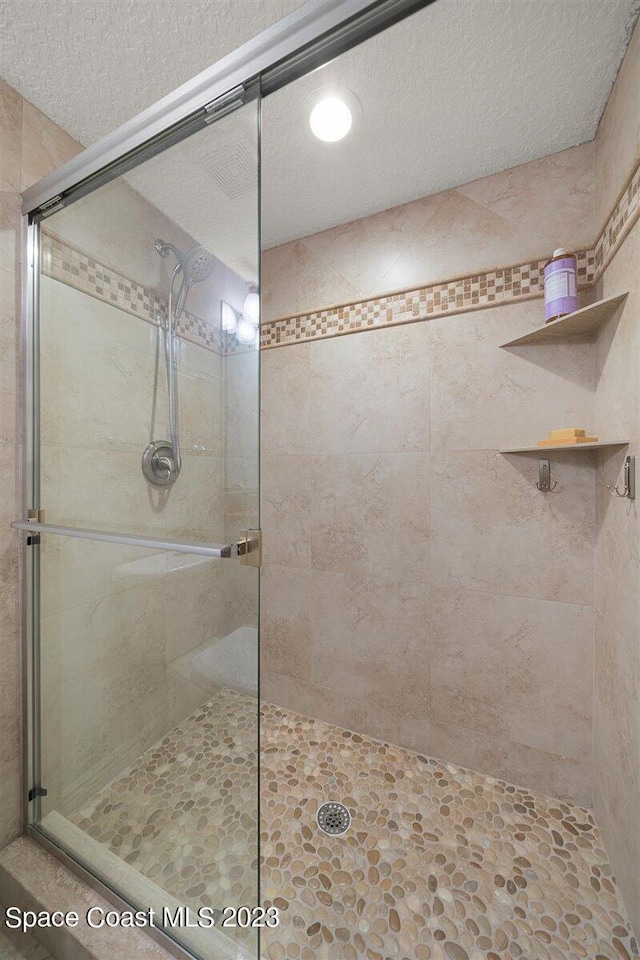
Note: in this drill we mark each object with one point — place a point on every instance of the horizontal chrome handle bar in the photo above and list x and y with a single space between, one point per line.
214 550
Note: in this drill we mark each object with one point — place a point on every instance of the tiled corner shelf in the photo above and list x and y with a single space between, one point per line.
571 447
582 324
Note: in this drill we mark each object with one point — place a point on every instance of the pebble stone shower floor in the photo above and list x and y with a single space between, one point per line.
439 863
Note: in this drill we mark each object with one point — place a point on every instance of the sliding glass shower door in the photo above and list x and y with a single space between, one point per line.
143 537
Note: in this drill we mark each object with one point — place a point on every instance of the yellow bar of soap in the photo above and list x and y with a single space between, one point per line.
567 442
566 433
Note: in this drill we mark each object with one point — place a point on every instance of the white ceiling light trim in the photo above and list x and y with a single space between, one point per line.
331 112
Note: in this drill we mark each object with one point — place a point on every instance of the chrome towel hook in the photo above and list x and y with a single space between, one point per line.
629 490
544 483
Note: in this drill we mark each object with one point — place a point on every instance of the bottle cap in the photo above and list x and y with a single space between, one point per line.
559 252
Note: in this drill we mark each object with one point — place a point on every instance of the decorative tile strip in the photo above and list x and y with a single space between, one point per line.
460 295
507 285
624 215
71 266
475 292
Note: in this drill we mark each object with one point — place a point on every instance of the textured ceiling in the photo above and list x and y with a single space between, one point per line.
91 65
460 90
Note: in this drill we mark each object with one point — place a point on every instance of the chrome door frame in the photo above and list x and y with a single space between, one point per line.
316 32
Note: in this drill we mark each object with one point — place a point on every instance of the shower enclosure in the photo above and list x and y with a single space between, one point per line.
140 509
144 546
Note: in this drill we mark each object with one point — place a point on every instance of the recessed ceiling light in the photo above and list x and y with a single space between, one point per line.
331 119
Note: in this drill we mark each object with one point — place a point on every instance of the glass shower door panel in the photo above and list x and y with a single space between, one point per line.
148 743
142 303
146 640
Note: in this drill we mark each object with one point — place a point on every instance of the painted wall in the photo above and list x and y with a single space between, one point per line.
32 146
617 600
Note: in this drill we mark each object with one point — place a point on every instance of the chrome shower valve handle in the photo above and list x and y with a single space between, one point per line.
159 464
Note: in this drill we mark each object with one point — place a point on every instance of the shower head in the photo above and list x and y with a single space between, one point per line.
198 264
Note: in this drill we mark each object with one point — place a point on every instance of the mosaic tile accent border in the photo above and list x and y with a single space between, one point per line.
524 281
508 284
625 213
77 269
462 294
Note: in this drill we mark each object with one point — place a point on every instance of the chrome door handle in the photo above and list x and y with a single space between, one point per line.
250 549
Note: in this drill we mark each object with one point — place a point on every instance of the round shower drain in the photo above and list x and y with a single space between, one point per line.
333 818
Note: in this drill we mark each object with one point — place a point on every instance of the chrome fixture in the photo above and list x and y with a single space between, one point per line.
629 489
544 483
161 459
196 264
248 549
333 818
158 463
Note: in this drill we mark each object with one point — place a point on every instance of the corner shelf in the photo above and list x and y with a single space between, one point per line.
582 324
569 447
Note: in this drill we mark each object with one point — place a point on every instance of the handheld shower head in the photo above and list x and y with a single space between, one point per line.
198 264
195 265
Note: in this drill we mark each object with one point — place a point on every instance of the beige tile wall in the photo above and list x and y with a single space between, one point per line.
415 581
380 471
617 144
118 226
479 646
103 386
111 636
92 437
513 216
32 146
617 554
